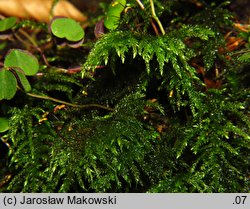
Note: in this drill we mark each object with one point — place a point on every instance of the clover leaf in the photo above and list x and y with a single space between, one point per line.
22 79
4 124
113 16
67 28
23 60
7 23
8 84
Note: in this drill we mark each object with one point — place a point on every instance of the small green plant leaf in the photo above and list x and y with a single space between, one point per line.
23 80
23 60
67 28
7 23
4 124
8 84
113 16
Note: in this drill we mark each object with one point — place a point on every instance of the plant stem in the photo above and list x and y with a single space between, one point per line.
141 5
24 33
156 18
26 43
31 43
68 103
154 27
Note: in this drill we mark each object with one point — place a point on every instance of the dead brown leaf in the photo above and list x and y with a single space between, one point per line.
40 9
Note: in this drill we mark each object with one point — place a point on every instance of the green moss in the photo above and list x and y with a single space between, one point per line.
167 131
